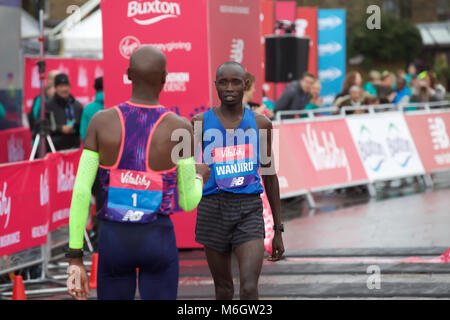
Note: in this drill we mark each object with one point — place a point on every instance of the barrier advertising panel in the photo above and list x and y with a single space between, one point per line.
15 145
24 205
431 134
385 146
323 153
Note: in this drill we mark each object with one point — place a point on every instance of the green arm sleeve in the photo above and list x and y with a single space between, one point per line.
190 188
79 208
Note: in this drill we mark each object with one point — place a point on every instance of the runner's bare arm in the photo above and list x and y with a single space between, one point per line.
190 187
270 179
197 125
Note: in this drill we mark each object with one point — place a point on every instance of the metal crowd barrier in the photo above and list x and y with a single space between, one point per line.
44 258
328 113
335 111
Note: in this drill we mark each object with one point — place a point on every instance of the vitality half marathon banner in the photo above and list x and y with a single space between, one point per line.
229 40
60 174
179 29
431 134
385 146
267 29
15 145
332 52
82 74
24 205
322 154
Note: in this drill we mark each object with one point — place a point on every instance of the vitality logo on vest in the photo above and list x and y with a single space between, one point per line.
163 10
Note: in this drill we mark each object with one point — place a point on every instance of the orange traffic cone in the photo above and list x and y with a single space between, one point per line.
93 278
18 289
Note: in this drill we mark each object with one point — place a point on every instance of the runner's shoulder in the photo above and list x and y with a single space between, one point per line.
198 117
174 121
262 122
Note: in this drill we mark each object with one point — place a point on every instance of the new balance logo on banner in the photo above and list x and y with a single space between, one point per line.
439 134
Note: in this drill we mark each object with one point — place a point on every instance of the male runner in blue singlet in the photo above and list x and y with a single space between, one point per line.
131 147
230 214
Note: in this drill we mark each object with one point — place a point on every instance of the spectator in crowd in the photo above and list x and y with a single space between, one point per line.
297 95
353 78
439 89
65 115
49 92
93 107
370 100
268 103
315 102
385 89
353 99
411 75
402 92
248 97
2 111
374 80
427 89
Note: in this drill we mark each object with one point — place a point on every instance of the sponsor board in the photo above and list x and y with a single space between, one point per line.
385 146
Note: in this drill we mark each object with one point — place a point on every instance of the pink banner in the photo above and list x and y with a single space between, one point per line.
267 29
431 135
290 178
82 74
306 25
179 29
286 10
323 152
15 145
229 40
24 206
62 170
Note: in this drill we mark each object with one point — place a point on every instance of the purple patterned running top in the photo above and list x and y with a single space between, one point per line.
131 191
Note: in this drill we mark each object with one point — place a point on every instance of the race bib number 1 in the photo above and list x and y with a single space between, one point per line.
134 196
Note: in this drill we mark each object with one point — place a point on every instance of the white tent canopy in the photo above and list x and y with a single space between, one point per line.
29 26
85 38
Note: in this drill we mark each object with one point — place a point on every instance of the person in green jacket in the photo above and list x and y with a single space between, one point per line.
93 107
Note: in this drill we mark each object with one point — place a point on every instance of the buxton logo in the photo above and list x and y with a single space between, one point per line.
163 10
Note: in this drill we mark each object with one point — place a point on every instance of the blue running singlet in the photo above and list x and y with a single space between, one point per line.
233 157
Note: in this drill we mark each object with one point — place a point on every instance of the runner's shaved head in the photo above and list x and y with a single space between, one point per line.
231 64
147 66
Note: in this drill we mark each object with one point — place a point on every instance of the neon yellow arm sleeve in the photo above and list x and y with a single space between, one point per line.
190 188
79 208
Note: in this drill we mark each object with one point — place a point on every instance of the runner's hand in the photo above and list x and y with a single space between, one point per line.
277 247
78 282
204 170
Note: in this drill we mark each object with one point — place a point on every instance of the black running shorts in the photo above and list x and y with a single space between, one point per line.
227 220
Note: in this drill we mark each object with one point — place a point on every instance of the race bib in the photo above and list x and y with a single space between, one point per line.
234 167
134 196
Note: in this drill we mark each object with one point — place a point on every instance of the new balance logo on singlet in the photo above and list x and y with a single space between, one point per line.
239 181
133 216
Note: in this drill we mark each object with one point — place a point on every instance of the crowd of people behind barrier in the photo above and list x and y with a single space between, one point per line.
401 88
